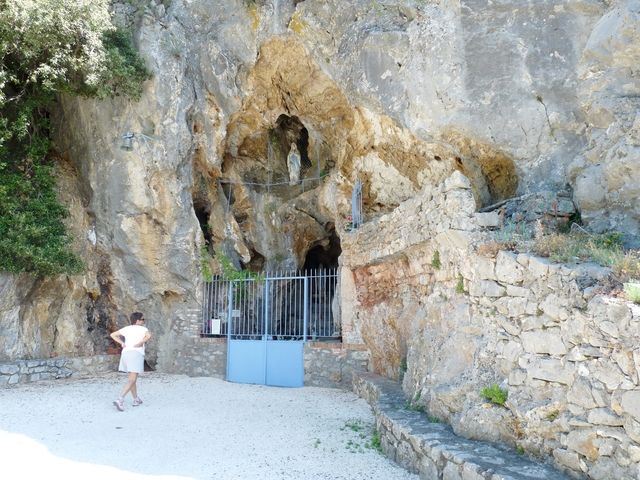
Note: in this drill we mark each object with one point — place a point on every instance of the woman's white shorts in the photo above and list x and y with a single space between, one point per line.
131 361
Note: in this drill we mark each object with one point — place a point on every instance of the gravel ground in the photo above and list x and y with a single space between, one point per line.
187 428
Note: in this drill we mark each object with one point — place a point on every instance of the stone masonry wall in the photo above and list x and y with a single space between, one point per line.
203 357
326 364
24 371
332 365
567 355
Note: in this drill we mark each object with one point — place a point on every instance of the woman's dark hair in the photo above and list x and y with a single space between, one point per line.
135 316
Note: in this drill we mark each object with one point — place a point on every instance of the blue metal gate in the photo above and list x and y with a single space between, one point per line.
267 320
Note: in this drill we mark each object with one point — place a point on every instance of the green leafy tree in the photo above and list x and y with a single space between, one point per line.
48 47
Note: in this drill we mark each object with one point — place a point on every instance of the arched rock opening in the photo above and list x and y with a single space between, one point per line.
277 217
324 254
201 202
288 130
292 100
492 172
202 214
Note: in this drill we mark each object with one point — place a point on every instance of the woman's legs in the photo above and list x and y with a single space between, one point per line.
134 387
130 386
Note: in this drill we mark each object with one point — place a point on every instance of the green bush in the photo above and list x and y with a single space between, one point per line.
32 235
494 394
231 273
205 265
551 416
49 47
127 71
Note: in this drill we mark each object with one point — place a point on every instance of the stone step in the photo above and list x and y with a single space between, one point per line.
432 450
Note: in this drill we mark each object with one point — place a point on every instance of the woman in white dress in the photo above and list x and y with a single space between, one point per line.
132 340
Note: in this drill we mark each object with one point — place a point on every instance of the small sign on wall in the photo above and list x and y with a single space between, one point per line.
215 326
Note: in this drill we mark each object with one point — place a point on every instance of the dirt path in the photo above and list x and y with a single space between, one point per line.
187 428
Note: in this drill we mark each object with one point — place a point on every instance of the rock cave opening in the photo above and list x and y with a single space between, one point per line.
501 176
493 177
256 264
203 211
326 253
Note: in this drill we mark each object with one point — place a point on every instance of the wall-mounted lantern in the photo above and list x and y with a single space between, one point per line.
127 141
128 138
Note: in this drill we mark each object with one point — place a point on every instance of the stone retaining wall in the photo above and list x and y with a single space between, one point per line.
24 371
202 357
452 315
326 364
431 449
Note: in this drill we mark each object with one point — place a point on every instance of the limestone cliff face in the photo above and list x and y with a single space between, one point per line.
605 175
518 96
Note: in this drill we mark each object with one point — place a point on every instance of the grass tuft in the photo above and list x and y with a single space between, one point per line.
375 441
494 394
632 291
576 245
435 261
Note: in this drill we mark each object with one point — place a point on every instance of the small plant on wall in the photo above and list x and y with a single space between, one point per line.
403 369
238 277
494 394
231 273
435 261
375 441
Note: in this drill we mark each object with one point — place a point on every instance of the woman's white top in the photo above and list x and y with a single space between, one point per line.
133 334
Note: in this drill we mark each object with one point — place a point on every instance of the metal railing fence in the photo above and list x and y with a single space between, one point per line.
278 305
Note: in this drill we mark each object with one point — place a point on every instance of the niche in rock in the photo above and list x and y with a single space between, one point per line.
202 213
324 254
288 130
492 173
202 205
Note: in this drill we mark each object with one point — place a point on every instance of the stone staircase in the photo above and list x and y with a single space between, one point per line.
432 450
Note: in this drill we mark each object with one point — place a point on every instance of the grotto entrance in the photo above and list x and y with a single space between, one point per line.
324 254
276 155
267 319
